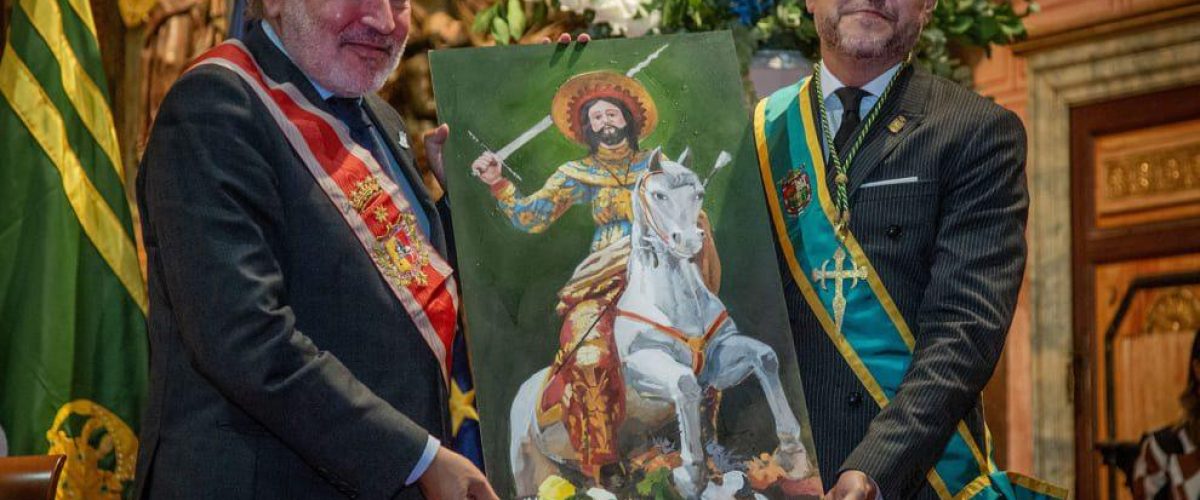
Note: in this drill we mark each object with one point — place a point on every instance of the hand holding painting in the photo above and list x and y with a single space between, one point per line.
451 475
434 141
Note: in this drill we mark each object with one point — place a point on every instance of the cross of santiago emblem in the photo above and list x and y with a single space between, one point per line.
796 191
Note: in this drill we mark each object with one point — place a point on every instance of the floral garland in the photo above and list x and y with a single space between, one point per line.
957 27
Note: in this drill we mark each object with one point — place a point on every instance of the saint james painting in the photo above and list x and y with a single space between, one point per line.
620 289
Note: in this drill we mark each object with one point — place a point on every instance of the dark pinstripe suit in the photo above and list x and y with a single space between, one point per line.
950 248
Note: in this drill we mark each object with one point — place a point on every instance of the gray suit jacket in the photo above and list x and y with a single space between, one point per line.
281 365
950 248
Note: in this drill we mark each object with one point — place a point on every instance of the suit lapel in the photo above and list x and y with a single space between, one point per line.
908 102
393 132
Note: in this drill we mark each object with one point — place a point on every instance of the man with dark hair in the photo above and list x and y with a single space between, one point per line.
302 304
609 133
899 204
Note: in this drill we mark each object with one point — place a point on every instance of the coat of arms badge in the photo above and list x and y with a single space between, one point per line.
796 192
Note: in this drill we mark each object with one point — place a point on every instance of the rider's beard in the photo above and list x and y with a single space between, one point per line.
611 136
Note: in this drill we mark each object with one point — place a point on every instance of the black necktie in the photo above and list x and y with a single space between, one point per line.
851 98
351 112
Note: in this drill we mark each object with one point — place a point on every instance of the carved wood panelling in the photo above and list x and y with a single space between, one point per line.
1148 175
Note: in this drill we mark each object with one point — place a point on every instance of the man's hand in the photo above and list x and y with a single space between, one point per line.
487 168
434 140
565 39
853 485
452 477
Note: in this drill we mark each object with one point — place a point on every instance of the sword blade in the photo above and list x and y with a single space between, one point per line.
525 137
646 62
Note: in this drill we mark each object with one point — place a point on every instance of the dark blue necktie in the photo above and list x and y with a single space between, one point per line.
351 112
851 98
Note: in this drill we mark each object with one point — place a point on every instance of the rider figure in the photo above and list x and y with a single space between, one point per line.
608 113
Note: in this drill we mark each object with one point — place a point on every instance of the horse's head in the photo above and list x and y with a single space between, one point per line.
667 202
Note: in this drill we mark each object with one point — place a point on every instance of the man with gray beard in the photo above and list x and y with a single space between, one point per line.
302 300
899 203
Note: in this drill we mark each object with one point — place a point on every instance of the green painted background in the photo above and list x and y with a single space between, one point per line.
510 278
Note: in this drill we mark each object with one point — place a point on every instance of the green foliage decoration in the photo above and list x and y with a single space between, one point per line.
657 485
958 28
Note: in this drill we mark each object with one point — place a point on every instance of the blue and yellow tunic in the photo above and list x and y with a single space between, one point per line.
605 180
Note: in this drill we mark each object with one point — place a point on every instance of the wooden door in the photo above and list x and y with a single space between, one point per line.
1136 271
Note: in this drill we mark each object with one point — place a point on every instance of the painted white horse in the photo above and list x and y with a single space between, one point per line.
675 339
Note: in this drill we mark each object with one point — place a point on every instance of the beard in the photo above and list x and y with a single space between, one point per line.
871 44
611 136
318 56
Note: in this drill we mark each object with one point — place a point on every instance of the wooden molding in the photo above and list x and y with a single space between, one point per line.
1117 26
1147 175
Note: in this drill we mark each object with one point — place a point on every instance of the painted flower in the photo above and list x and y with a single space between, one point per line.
658 457
631 18
763 472
600 494
555 488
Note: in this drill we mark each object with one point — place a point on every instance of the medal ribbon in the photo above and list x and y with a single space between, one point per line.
843 166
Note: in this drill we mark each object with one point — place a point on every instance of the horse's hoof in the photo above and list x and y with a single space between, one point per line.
689 481
734 484
792 457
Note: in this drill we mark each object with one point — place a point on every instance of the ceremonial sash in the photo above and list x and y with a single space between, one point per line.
873 337
371 203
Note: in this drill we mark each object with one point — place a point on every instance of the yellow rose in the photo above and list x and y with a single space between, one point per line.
556 488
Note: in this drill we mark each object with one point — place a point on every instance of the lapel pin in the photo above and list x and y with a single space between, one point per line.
403 141
897 124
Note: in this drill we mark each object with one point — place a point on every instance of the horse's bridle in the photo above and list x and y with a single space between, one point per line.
644 208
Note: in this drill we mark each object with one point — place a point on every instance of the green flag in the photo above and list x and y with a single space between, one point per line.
73 350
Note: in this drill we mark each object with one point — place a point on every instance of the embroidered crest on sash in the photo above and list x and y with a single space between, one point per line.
364 193
401 258
796 191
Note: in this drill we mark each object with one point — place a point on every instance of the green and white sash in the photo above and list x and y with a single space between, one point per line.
873 337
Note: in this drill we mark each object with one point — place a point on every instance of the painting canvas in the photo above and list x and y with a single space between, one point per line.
620 291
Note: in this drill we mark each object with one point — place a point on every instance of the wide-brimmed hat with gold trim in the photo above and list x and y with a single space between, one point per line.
582 88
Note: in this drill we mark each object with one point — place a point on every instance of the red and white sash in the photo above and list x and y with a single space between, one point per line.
372 204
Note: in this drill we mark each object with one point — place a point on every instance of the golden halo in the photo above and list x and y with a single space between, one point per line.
580 89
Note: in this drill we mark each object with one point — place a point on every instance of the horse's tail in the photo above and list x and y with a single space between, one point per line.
522 421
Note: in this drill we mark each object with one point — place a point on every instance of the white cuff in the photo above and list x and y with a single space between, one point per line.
431 448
